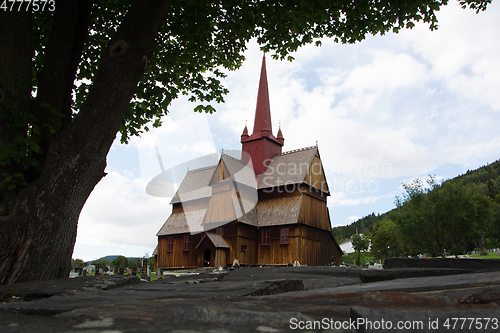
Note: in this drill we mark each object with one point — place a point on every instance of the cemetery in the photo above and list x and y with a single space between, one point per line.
253 299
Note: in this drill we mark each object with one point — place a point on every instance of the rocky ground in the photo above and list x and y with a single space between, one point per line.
312 299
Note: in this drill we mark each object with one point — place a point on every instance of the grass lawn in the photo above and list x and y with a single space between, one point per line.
490 255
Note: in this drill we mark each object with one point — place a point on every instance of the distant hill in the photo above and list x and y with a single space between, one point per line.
111 258
362 226
485 178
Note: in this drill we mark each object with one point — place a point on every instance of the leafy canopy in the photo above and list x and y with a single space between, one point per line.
198 41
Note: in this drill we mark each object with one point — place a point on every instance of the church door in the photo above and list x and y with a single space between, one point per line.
207 254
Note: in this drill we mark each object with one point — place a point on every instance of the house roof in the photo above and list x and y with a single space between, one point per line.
287 168
216 239
241 172
183 222
279 211
194 185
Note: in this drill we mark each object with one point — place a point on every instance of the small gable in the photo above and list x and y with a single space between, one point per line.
315 176
221 173
232 192
215 239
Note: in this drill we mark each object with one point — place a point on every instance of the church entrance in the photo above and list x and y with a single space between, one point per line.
206 257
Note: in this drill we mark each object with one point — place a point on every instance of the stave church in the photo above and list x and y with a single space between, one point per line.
264 208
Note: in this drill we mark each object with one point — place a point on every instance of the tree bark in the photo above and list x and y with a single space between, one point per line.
38 235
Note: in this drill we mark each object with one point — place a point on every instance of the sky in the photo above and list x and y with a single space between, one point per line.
383 112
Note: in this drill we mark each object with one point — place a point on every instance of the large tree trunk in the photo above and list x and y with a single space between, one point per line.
37 235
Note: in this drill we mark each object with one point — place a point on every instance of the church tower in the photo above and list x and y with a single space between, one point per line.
262 145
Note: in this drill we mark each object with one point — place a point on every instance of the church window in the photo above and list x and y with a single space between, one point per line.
284 236
170 244
220 231
265 236
244 248
186 243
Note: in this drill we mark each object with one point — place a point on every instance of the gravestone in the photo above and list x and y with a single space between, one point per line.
122 267
144 272
159 272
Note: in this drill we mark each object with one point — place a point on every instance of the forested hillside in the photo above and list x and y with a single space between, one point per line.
363 226
452 217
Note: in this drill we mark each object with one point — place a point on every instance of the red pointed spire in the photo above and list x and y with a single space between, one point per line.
263 110
244 135
262 145
280 137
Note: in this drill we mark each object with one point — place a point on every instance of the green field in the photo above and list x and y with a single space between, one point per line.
491 255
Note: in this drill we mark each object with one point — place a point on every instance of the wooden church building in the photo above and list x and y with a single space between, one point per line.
266 208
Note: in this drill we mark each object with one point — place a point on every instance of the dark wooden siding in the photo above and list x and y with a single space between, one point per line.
246 236
276 253
178 257
314 212
317 247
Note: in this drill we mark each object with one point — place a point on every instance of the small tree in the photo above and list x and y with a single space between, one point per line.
103 262
385 234
118 261
77 262
360 243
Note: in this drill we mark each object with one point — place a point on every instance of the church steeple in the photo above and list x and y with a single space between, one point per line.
262 145
244 135
280 137
263 110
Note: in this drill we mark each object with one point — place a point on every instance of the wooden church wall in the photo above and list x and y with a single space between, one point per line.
221 207
316 176
178 257
314 211
276 253
317 247
246 236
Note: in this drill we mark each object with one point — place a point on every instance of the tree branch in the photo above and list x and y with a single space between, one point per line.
121 67
53 78
80 38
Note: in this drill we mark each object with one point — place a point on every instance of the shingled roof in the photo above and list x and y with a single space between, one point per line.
242 173
183 222
216 239
287 168
194 185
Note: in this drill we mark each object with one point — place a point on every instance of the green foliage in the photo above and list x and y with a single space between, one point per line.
132 262
348 259
354 258
360 243
443 217
199 42
386 236
459 215
117 262
77 262
103 262
363 225
151 262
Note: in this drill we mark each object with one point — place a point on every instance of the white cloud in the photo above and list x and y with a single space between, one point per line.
120 212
